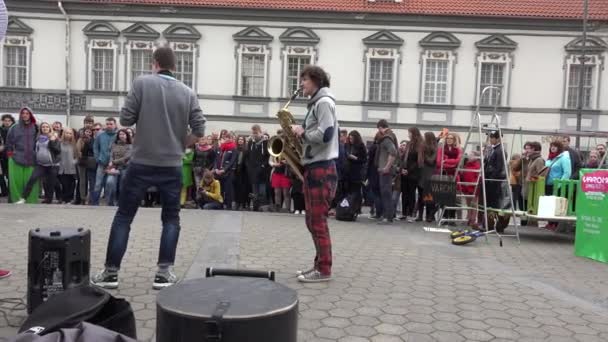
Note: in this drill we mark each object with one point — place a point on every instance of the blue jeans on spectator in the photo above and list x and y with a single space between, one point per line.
386 195
227 185
135 184
100 181
112 186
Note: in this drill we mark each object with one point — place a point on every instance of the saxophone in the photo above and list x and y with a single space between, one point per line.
287 145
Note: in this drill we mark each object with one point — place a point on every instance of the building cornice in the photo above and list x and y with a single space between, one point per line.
252 15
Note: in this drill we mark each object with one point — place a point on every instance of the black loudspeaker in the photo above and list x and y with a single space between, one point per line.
58 259
227 306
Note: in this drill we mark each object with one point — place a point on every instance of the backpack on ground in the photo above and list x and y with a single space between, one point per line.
346 209
90 304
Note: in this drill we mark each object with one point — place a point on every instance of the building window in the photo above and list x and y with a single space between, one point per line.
492 74
299 50
15 66
573 86
141 63
253 67
295 64
102 69
380 80
381 72
184 67
494 64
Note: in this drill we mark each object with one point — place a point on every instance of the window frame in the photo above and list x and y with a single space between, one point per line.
494 57
18 42
192 49
102 44
132 46
292 51
384 54
593 61
255 50
438 55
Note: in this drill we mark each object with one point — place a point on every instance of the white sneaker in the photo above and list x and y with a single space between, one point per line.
21 201
302 212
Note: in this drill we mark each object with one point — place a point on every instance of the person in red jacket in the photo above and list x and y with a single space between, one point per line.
448 157
451 153
472 162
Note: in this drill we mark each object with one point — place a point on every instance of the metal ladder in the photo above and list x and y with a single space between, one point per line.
477 127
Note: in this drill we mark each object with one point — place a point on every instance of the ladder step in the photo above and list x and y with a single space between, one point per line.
466 183
453 220
460 208
466 196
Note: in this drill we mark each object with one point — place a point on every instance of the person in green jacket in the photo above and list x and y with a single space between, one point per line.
187 178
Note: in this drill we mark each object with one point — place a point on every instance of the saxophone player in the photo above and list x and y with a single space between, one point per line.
319 138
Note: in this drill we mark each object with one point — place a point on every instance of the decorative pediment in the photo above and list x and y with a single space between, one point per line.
441 40
100 29
299 35
593 45
252 35
181 32
140 31
497 42
384 38
18 27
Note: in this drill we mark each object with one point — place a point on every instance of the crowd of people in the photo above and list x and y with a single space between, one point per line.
236 172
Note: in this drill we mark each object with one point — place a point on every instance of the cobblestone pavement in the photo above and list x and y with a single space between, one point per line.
392 283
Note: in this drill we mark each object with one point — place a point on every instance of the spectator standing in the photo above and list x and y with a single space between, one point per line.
67 166
20 148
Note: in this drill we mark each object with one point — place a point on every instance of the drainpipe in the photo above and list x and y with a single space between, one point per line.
68 111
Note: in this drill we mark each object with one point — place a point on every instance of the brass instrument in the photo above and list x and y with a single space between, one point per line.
287 146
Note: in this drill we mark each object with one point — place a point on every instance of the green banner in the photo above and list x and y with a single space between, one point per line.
592 216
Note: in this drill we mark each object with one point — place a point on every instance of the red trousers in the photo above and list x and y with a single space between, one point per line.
320 183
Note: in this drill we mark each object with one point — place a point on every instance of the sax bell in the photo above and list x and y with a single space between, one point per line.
287 146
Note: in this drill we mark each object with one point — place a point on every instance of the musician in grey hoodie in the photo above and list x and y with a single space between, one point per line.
319 138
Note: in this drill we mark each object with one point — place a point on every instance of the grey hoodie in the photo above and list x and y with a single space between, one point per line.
320 140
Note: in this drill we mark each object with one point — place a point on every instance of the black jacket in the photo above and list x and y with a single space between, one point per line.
256 161
204 159
494 164
355 169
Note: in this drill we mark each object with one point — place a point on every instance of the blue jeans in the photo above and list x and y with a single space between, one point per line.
111 188
100 180
134 185
386 195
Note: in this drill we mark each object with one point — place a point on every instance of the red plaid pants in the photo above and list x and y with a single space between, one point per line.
319 190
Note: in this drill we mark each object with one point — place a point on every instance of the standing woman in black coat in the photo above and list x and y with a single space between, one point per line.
412 170
356 159
425 199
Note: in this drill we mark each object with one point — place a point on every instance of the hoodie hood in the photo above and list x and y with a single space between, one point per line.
32 118
323 92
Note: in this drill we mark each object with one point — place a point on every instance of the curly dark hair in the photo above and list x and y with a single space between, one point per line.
8 116
126 132
317 75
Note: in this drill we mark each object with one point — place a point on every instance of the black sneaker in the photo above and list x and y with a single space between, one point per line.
106 279
165 279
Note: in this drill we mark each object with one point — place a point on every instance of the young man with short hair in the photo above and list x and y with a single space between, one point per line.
163 108
102 148
384 161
